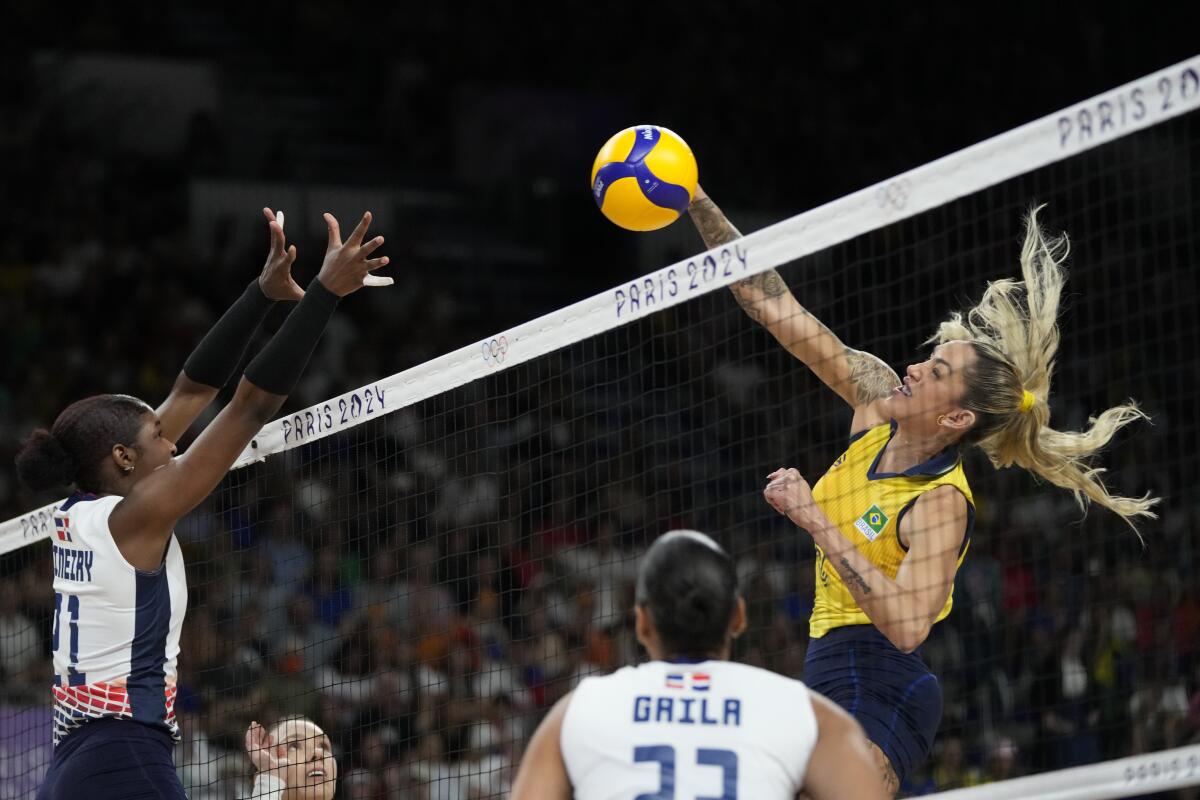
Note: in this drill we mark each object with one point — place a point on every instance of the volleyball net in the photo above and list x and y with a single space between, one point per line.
425 564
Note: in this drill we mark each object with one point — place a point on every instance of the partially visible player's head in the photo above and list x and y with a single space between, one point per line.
95 444
310 770
688 605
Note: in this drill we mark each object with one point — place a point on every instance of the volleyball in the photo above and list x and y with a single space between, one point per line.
644 177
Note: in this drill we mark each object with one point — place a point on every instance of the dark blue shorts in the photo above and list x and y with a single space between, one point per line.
113 759
892 694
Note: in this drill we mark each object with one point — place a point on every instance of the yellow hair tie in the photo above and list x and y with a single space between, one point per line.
1027 401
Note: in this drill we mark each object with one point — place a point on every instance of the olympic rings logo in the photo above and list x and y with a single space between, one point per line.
894 194
494 350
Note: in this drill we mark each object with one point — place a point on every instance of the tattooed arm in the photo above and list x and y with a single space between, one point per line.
903 608
859 378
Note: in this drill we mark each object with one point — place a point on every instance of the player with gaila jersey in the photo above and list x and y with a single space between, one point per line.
690 722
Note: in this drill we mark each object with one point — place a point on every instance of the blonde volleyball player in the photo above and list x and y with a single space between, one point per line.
293 760
119 588
691 723
892 517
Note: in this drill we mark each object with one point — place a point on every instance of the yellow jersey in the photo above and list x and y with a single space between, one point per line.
867 507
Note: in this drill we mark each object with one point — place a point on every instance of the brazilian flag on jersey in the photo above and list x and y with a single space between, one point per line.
868 506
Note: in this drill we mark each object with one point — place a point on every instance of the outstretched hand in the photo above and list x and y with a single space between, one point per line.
347 267
260 748
276 279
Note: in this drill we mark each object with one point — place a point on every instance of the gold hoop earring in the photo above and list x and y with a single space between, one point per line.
941 419
127 470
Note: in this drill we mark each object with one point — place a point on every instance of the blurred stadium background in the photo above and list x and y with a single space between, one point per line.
427 585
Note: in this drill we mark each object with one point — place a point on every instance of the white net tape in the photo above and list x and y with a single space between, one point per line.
1124 777
1137 105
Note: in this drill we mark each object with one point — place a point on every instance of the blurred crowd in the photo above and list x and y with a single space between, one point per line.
427 585
429 658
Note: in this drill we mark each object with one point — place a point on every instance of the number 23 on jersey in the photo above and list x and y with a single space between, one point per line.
725 760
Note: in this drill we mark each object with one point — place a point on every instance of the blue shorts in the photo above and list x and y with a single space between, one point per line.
892 694
113 759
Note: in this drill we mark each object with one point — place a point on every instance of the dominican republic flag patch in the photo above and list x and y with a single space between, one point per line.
696 681
62 528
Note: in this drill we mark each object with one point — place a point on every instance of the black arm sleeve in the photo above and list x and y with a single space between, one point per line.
277 367
218 354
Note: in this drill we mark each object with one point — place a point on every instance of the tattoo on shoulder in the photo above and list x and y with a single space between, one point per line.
851 575
871 378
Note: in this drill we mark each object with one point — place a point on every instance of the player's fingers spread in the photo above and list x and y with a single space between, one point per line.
376 263
360 230
335 231
371 246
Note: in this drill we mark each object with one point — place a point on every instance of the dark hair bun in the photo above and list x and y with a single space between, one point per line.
689 586
43 464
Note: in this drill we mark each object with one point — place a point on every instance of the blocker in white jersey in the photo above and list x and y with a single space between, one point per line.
691 724
711 729
120 592
116 628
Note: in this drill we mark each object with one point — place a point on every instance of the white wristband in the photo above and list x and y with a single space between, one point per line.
267 787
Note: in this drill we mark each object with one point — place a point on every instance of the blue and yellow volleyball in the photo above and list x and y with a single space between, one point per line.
644 178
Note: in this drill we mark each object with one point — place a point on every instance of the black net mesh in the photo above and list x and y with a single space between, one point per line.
429 583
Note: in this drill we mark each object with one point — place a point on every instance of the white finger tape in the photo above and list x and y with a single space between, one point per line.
377 280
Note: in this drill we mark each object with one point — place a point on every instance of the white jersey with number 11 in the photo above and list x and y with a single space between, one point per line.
116 629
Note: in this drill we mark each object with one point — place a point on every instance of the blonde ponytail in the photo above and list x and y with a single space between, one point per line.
1014 331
